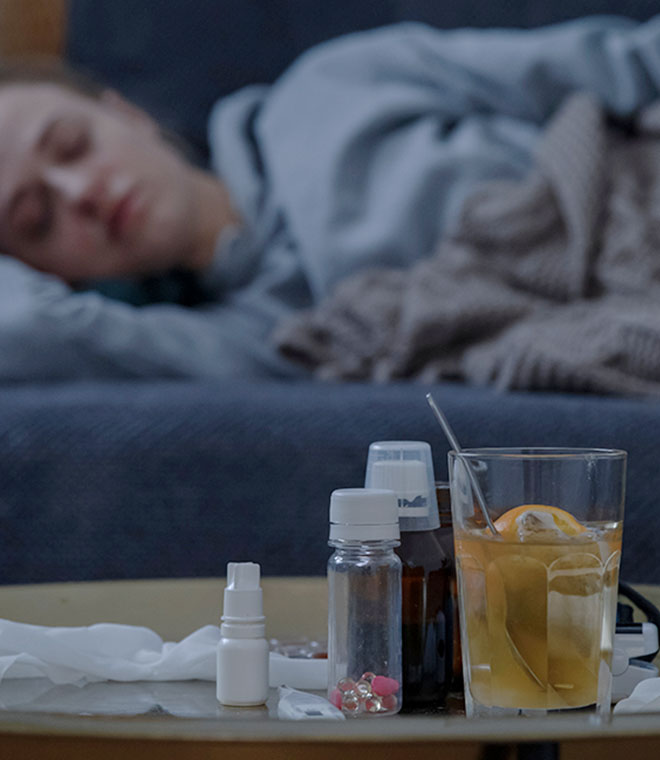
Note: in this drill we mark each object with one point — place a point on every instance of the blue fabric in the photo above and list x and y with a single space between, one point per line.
365 149
51 334
144 48
131 480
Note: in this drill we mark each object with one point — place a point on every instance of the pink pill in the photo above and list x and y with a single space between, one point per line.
384 686
335 698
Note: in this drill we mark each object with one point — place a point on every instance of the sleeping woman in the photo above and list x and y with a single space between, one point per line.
360 155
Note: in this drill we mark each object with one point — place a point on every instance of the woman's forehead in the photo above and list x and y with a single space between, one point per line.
25 110
28 100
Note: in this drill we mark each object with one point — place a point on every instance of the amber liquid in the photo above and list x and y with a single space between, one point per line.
538 617
445 537
427 620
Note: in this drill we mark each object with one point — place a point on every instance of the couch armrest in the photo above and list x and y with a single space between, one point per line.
32 27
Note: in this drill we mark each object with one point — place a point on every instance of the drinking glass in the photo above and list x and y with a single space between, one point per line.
538 542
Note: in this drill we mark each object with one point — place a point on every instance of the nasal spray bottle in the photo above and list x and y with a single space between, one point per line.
242 657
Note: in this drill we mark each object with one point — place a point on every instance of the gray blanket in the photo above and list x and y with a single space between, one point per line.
549 283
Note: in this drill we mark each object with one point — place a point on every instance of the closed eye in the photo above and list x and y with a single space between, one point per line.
66 139
31 213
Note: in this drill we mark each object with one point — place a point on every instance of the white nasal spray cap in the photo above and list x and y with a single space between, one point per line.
406 467
243 601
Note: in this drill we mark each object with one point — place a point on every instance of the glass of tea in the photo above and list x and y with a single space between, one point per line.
538 543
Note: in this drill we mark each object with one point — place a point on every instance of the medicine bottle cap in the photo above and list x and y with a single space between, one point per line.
243 599
364 514
406 467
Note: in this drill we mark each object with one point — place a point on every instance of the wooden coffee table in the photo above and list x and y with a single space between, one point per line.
294 607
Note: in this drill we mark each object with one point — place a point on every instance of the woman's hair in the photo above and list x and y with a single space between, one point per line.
49 70
52 70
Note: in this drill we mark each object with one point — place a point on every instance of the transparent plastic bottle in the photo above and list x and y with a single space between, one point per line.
364 612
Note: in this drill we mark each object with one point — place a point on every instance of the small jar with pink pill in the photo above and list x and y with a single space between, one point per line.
364 612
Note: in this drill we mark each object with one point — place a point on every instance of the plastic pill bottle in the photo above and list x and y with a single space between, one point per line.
364 614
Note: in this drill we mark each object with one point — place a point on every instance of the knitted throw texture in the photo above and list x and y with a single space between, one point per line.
549 283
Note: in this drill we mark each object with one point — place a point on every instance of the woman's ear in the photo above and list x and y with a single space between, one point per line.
137 115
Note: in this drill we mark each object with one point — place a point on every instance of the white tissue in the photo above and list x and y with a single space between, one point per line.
186 699
645 697
104 652
113 652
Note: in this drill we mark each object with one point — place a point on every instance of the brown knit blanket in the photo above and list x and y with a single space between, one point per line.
549 283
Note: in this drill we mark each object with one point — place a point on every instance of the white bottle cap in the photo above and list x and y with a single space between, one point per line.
364 514
406 467
243 599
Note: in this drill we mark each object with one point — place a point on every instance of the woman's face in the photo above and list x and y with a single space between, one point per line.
89 188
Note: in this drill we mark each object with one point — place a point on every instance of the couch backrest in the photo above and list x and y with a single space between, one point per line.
175 57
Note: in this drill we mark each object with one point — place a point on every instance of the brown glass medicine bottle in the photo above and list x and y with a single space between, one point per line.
405 467
445 536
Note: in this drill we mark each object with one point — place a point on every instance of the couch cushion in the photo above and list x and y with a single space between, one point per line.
170 479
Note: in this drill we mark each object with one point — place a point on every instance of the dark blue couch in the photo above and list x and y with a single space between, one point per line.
134 479
128 480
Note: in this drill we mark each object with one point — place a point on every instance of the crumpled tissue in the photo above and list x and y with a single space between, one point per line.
645 697
185 699
105 651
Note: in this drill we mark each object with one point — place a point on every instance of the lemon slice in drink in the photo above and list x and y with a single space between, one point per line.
537 520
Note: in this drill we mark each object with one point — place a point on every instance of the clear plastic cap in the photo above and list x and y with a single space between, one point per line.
406 467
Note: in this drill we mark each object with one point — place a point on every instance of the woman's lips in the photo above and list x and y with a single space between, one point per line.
125 214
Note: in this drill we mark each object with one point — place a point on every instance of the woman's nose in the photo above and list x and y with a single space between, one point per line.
77 187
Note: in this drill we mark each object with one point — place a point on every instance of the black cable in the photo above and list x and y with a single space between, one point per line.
538 751
645 606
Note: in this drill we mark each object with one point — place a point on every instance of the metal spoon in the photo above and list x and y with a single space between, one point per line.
453 441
